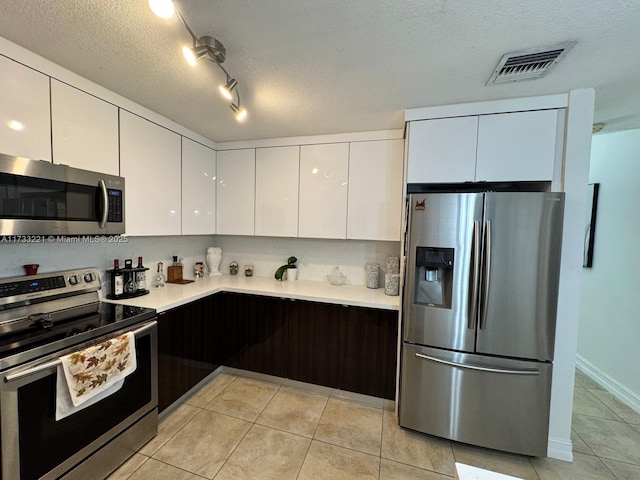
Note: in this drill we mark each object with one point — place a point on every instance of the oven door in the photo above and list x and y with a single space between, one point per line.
40 198
35 445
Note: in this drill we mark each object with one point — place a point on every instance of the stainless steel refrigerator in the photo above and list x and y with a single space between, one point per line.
479 318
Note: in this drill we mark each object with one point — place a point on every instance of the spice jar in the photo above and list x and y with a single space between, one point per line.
233 268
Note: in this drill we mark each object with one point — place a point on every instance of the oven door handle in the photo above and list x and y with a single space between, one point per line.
54 363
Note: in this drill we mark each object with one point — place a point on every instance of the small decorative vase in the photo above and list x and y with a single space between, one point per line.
214 257
291 274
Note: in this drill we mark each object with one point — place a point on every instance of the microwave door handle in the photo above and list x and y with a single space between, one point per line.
105 204
472 308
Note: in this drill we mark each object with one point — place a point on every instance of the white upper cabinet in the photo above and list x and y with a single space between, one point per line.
324 171
442 150
150 163
236 192
198 189
375 190
277 171
25 121
84 130
517 146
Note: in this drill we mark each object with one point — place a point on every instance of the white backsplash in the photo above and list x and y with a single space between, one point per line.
67 256
316 258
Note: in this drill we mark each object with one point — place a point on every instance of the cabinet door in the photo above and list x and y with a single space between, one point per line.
185 349
150 163
324 171
375 190
236 192
228 337
25 121
84 130
517 146
442 150
368 352
277 172
264 334
198 189
314 342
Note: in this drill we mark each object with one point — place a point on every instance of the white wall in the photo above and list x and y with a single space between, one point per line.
575 174
609 332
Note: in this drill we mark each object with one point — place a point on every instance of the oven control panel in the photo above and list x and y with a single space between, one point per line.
48 284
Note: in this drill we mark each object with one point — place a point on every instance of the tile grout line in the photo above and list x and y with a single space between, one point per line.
245 433
313 436
603 404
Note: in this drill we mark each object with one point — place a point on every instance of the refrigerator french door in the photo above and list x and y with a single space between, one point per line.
480 304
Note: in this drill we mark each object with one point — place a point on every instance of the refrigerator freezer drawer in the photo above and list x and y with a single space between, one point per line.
495 403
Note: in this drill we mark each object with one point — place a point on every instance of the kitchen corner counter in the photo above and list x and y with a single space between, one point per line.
172 295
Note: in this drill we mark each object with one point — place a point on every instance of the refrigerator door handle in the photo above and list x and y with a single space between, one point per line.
475 267
487 275
532 371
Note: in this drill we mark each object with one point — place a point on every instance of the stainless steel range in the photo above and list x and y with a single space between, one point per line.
43 317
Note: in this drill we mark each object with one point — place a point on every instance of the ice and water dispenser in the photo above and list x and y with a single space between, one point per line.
434 276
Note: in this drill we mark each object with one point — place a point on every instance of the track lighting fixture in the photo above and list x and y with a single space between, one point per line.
203 47
240 113
228 87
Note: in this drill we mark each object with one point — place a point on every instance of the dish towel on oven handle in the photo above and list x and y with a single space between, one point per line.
94 373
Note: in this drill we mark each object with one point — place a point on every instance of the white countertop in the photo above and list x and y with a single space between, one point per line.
172 295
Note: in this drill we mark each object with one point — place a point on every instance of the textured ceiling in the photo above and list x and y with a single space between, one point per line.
310 67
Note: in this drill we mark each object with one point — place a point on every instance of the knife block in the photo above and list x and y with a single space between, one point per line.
174 273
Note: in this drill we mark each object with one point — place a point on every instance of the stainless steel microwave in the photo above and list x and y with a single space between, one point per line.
42 198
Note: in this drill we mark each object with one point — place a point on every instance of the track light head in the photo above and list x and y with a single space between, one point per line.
240 113
192 54
227 89
162 8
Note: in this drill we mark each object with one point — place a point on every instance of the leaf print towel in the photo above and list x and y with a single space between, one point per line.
91 371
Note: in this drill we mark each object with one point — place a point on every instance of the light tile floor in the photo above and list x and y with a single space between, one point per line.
239 428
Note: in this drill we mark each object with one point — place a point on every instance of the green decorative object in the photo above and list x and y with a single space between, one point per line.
290 264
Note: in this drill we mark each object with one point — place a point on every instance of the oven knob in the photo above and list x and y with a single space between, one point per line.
73 280
89 277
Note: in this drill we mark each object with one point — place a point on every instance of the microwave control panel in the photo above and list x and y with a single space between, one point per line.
115 205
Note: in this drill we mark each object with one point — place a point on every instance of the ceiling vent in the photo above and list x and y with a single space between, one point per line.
528 64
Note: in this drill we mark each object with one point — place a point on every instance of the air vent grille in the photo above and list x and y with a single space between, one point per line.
528 64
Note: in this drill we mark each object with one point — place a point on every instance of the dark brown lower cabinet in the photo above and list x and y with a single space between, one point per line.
314 342
228 336
351 348
368 352
264 332
186 352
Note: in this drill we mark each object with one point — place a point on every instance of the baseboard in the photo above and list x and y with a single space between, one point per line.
611 385
560 449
